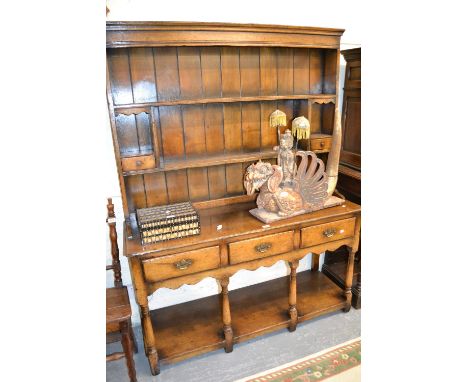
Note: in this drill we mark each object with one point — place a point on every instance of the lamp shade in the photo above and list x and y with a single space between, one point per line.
278 118
301 128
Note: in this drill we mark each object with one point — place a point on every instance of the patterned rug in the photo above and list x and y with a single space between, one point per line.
340 363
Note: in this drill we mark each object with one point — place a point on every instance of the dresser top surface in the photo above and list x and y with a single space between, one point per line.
235 220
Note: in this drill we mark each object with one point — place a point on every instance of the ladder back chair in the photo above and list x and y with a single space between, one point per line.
118 309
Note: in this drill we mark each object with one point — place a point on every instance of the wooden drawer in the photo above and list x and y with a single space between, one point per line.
141 162
264 246
181 264
324 233
321 144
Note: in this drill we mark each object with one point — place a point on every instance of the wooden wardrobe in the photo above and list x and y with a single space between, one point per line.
349 180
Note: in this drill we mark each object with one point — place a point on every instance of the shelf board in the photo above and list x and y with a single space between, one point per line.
186 329
135 154
351 172
264 308
213 160
216 160
135 108
195 327
337 272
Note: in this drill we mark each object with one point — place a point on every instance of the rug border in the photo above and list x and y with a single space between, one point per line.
310 356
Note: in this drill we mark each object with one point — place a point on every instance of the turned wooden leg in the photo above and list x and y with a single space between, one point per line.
292 295
356 300
315 262
349 279
132 336
151 351
127 348
146 324
227 328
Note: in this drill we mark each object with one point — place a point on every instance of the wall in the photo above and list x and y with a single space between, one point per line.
320 15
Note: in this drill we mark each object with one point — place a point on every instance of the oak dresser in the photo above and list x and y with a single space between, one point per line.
189 106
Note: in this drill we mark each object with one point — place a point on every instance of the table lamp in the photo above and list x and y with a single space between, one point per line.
278 119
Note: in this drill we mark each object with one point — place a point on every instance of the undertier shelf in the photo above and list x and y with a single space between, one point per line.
195 327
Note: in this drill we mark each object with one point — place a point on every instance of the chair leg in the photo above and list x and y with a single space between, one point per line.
127 348
132 335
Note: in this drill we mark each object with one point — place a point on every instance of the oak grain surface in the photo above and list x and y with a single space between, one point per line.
189 108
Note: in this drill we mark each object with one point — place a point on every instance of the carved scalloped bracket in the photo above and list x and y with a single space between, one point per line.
132 111
323 100
263 266
153 287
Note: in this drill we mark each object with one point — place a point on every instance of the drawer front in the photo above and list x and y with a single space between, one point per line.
181 264
264 246
141 162
319 144
324 233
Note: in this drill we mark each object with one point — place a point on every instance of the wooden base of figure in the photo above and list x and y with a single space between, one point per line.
270 217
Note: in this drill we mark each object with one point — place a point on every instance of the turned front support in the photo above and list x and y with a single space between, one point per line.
348 284
315 262
349 279
227 328
292 295
146 324
356 300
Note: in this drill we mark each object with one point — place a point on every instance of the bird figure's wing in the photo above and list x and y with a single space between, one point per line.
313 182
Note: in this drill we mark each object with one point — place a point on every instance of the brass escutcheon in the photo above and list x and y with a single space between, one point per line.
183 264
263 247
329 232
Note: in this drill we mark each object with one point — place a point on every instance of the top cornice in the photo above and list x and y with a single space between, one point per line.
185 25
167 33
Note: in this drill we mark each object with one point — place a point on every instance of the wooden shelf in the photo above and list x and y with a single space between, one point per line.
215 160
337 272
124 155
135 108
347 170
186 329
196 327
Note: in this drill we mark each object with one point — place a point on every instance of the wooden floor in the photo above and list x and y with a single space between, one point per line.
184 329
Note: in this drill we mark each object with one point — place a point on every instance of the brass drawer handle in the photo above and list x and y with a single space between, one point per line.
183 264
329 232
139 163
262 248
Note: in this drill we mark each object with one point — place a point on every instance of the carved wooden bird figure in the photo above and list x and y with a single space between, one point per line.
307 191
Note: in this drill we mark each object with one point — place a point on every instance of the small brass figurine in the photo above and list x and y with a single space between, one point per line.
286 158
